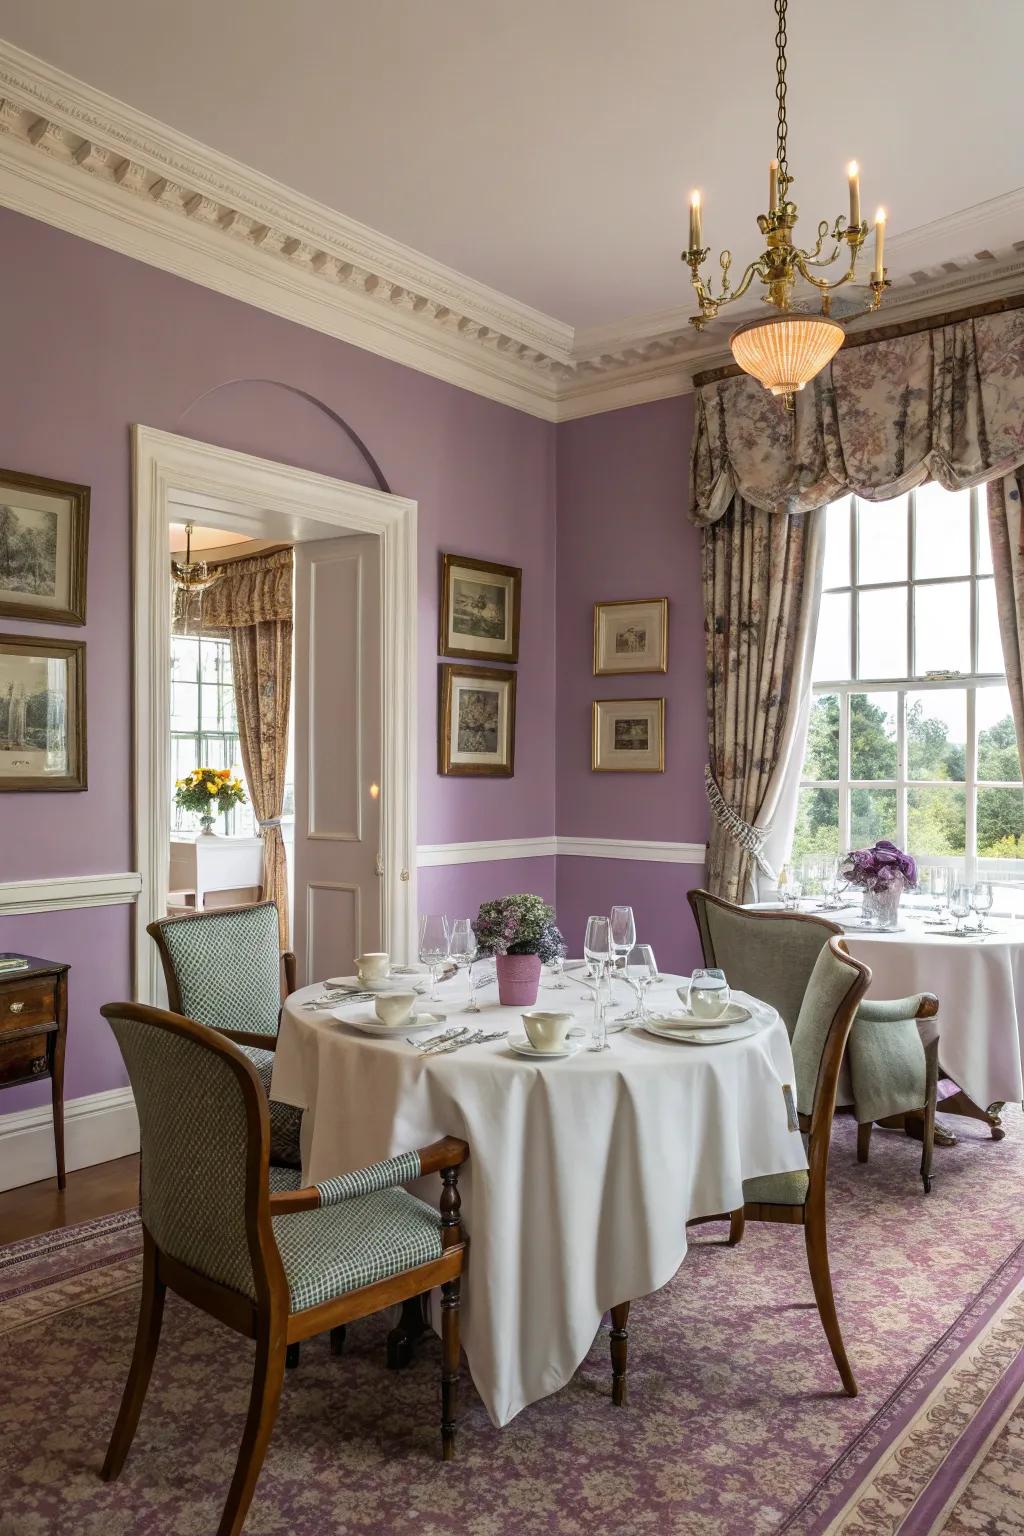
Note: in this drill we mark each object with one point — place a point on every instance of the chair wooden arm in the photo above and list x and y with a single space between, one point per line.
288 961
448 1153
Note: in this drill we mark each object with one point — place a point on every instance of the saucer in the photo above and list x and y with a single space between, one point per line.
522 1047
365 1019
732 1013
684 1035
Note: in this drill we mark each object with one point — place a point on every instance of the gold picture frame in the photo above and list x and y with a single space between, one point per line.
479 609
631 635
44 548
42 714
476 721
628 736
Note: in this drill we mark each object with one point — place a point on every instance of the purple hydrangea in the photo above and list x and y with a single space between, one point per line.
518 925
877 868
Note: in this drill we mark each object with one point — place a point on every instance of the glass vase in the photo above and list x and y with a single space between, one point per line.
882 907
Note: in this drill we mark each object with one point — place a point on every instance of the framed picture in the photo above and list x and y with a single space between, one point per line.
631 636
628 736
42 713
44 540
479 609
476 724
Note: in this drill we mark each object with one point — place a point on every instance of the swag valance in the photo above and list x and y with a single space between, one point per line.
257 590
945 404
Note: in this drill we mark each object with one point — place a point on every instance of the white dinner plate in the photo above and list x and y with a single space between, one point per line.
685 1036
733 1013
366 1020
521 1045
390 983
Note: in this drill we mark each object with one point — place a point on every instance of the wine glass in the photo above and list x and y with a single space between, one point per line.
556 966
623 934
597 945
434 947
641 973
462 948
960 907
981 900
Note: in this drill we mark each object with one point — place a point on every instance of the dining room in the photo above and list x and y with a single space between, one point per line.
511 792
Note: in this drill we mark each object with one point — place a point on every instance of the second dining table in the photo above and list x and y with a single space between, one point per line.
583 1171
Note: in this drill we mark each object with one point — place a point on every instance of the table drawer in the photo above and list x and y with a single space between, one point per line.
21 1059
33 1002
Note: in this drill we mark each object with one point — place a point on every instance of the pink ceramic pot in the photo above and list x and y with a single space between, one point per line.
518 980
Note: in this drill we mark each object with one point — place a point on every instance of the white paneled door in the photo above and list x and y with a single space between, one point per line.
338 706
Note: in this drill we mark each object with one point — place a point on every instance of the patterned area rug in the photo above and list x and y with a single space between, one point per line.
734 1425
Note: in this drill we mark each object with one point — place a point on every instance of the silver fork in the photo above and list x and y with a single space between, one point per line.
435 1042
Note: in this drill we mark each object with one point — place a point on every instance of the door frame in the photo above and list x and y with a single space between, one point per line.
168 472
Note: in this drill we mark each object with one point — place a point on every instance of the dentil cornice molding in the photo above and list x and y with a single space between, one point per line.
82 161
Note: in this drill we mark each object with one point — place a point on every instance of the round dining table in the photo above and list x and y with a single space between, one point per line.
583 1171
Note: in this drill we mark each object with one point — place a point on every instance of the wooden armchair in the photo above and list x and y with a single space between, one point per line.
275 1267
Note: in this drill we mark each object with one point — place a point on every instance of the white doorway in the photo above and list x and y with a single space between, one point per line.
356 556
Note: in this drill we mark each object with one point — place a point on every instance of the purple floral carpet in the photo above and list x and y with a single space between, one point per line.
735 1424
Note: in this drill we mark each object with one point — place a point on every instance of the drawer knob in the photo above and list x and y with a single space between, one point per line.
17 1007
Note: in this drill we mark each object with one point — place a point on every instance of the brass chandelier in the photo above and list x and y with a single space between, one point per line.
786 351
192 576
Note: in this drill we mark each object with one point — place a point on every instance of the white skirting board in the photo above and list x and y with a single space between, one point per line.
97 1129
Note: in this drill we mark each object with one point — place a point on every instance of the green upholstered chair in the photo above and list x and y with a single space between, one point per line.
223 969
772 955
276 1267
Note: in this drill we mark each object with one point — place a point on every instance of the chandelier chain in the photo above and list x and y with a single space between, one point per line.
780 89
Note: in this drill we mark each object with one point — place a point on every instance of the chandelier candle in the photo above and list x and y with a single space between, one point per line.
696 239
879 273
773 187
853 172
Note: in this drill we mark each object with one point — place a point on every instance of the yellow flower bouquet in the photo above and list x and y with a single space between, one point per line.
209 791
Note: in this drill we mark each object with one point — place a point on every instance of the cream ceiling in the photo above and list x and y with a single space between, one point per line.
545 147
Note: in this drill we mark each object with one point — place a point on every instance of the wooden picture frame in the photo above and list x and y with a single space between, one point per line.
475 737
44 547
631 635
479 617
628 736
42 729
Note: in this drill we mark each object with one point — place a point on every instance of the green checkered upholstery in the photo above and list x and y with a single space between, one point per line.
194 1143
341 1247
282 1179
285 1119
363 1181
228 967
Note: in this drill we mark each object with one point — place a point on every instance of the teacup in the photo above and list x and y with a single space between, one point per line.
547 1031
706 997
395 1008
373 967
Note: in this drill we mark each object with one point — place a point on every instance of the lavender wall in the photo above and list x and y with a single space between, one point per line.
622 532
94 342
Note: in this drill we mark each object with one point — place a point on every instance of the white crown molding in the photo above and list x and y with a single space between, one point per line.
84 162
68 891
97 1129
494 850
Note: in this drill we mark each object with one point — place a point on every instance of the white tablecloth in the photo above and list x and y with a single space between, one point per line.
583 1172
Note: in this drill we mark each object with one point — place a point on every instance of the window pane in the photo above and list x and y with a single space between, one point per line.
872 736
1001 823
997 739
984 543
817 823
942 628
872 815
936 821
882 540
217 751
942 535
937 734
882 633
837 545
218 706
832 642
184 706
821 760
990 647
215 658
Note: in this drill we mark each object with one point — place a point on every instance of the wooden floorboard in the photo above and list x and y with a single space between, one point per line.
91 1192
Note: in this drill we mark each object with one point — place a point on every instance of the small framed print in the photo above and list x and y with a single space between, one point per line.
44 540
476 724
628 736
479 609
631 636
42 713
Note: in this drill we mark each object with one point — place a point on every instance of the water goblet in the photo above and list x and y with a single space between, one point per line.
641 973
462 949
981 901
435 939
960 907
623 935
556 967
597 945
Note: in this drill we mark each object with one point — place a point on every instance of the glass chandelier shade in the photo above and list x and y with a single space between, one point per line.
786 352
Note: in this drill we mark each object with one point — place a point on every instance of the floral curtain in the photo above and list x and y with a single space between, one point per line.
251 601
945 404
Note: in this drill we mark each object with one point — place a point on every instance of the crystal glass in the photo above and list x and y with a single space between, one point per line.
831 882
791 893
941 887
623 933
641 973
597 945
434 946
960 906
557 969
981 901
602 1003
708 993
462 948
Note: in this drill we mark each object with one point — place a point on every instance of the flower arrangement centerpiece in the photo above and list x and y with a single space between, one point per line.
210 792
520 932
883 872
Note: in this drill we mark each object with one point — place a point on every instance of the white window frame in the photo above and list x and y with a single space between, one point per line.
203 733
965 682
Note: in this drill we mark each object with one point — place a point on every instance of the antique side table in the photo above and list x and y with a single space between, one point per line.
33 1029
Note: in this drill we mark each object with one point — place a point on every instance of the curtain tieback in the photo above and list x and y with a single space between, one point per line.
271 821
743 832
